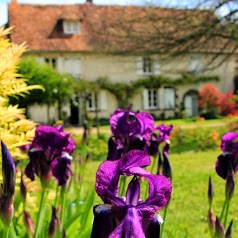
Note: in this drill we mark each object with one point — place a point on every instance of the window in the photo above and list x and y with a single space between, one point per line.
91 101
51 61
151 98
196 65
147 65
71 27
169 98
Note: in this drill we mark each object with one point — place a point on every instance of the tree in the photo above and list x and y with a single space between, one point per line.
209 26
58 87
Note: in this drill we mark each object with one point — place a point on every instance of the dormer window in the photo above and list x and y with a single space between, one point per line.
71 27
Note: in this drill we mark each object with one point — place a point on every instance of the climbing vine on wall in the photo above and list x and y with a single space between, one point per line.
124 92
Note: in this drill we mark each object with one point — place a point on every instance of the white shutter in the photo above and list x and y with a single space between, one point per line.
103 100
60 64
73 67
161 98
157 67
169 98
41 60
139 66
145 99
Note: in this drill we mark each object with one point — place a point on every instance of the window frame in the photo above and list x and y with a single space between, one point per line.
91 97
151 102
71 27
52 61
147 65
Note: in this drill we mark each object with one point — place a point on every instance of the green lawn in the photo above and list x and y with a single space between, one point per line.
187 212
189 121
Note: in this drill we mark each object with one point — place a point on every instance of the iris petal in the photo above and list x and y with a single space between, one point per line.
130 226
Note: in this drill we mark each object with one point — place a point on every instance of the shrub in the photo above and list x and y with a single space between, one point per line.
214 103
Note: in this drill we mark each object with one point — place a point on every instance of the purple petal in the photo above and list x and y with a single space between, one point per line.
137 142
153 228
223 163
147 123
107 178
122 126
8 171
104 221
25 148
51 141
230 142
133 192
61 169
167 170
134 158
152 148
160 188
130 226
165 131
29 171
115 149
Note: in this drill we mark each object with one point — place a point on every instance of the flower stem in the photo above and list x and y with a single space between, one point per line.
162 225
153 164
56 195
63 208
40 213
223 209
122 185
6 231
226 213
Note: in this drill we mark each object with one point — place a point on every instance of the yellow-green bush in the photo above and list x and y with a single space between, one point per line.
15 129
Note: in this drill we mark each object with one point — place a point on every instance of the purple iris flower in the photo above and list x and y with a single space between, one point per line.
8 186
129 216
61 168
160 134
229 158
165 131
131 130
229 142
50 154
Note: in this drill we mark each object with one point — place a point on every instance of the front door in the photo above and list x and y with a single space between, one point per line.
191 105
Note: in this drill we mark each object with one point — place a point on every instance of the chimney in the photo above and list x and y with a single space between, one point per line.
87 1
14 1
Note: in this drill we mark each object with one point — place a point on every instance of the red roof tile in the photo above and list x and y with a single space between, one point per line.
41 26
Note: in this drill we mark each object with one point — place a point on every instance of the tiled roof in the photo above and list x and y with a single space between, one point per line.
41 26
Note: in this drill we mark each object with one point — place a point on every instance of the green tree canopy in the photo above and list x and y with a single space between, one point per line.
58 87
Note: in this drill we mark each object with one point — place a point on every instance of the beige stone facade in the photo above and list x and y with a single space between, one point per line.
126 69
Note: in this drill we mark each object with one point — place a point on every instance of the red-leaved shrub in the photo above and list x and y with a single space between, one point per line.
211 99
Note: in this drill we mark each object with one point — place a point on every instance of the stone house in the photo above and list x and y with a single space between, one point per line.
60 36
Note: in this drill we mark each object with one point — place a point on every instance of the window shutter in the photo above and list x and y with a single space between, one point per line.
161 98
169 97
139 66
60 64
103 100
41 60
145 99
157 67
73 67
